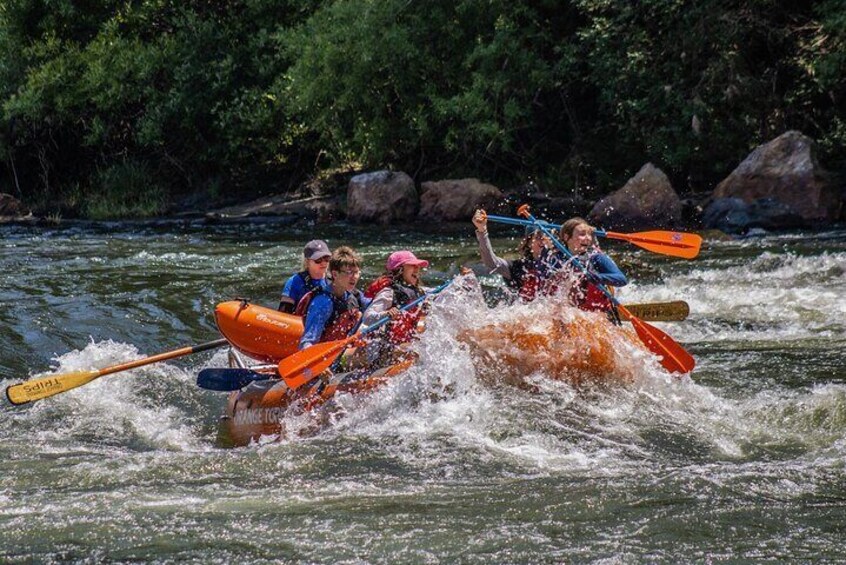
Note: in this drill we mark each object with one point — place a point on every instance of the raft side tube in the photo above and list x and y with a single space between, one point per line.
259 332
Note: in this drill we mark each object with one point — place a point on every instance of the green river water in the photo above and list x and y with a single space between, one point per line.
743 460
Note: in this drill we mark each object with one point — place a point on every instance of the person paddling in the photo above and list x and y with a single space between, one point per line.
316 257
399 286
528 275
334 313
578 236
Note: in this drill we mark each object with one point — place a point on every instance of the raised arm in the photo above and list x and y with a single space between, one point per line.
497 265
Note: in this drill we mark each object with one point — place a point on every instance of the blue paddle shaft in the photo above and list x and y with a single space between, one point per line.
563 249
408 306
519 222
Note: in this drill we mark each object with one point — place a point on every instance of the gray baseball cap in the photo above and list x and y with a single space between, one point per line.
316 249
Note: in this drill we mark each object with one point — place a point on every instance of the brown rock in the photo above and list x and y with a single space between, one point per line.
383 197
11 206
454 200
786 170
646 201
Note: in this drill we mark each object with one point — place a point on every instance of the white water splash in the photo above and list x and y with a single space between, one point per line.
133 407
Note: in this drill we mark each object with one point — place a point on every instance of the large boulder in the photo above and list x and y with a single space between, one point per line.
11 207
454 200
383 197
785 170
646 201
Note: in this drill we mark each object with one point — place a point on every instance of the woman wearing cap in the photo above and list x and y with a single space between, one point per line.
316 257
529 275
399 286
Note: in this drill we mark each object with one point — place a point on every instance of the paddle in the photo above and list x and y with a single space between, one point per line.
672 243
42 387
675 311
227 380
304 365
673 356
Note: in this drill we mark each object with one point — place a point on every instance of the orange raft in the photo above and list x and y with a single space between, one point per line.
260 408
270 336
566 344
259 332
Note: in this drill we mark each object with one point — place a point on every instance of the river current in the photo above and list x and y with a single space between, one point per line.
742 460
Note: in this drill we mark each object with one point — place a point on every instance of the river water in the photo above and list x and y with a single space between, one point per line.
742 460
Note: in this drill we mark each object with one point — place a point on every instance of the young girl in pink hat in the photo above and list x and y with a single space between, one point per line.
390 292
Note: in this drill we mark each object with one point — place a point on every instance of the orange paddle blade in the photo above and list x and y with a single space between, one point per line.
677 244
302 366
674 358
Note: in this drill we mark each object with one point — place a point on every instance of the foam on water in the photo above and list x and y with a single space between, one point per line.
440 408
770 298
144 408
749 450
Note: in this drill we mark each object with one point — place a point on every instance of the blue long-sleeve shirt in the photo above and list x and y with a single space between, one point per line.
605 270
600 267
318 314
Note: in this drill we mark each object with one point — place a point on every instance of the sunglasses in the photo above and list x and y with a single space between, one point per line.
321 261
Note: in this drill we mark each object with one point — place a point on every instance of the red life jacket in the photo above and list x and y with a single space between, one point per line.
526 280
382 282
345 313
404 328
587 296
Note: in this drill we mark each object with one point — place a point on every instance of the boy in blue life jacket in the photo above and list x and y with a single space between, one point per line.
333 313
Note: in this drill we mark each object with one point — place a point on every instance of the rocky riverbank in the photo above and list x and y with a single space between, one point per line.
780 185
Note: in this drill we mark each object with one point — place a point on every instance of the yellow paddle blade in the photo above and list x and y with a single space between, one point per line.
42 387
675 311
677 244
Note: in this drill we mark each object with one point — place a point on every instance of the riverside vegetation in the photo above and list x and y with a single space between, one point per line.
119 108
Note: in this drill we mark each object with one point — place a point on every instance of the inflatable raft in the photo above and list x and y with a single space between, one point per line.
259 332
260 408
269 336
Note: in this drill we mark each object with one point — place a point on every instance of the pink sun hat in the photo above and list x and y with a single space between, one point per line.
399 258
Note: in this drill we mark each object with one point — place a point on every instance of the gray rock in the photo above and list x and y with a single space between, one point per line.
320 208
733 215
454 200
383 197
646 201
786 171
11 209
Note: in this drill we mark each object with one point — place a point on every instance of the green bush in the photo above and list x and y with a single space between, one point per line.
124 190
254 95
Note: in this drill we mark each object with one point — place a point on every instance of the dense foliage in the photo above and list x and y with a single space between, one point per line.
116 107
